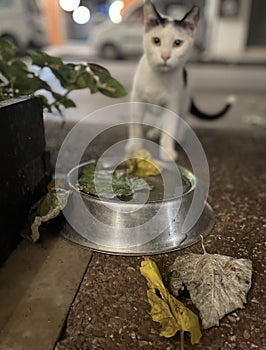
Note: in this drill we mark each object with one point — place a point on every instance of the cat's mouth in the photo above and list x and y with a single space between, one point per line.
164 66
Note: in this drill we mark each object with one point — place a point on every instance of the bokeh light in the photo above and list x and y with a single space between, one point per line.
81 15
115 11
69 5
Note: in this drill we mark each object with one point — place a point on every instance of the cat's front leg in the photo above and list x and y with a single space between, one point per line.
135 134
168 135
167 149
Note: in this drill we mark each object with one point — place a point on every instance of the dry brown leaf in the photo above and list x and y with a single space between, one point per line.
217 284
173 315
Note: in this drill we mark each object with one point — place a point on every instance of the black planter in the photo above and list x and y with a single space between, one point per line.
25 169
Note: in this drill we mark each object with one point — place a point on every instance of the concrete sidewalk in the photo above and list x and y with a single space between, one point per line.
38 284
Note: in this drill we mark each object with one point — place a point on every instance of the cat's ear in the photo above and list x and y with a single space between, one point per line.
190 21
151 16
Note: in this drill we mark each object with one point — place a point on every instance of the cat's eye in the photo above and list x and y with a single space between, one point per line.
156 41
178 43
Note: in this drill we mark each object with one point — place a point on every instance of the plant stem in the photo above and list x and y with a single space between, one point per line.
202 245
182 340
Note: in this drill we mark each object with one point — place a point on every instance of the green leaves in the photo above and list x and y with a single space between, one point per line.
42 59
107 85
80 76
18 78
7 50
100 182
61 100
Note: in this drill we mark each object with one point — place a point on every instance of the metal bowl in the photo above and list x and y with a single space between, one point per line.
148 223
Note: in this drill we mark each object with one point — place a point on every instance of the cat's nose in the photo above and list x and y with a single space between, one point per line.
165 57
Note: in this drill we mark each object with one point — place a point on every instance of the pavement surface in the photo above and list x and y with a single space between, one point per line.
111 310
38 283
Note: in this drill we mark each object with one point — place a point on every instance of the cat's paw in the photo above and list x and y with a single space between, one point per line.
168 155
154 134
133 145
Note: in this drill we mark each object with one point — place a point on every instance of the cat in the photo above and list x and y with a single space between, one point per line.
161 77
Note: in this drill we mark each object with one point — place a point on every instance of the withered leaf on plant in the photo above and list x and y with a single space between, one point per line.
47 208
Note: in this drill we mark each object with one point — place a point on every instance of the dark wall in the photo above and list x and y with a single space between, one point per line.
257 26
24 169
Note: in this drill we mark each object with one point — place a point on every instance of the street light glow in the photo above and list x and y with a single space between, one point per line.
69 5
115 11
81 15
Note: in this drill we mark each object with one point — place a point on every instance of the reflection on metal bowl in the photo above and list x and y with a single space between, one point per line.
148 223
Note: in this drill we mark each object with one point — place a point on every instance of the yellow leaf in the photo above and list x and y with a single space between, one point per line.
152 274
186 318
140 163
160 312
173 315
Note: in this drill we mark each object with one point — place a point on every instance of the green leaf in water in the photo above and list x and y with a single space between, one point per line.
100 182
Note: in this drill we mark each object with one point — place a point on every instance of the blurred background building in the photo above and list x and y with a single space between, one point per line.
229 29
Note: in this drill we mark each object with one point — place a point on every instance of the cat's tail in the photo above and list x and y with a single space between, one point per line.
202 115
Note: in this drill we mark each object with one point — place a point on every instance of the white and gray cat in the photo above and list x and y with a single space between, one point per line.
161 77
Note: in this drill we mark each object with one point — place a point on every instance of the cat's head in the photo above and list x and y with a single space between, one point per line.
167 41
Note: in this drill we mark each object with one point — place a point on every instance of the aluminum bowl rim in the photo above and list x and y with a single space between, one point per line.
97 199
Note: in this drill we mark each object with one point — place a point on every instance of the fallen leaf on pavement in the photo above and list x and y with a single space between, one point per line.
217 284
173 315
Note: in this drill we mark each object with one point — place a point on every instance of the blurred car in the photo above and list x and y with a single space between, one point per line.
22 23
116 41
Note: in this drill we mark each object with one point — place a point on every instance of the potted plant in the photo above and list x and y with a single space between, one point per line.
23 96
